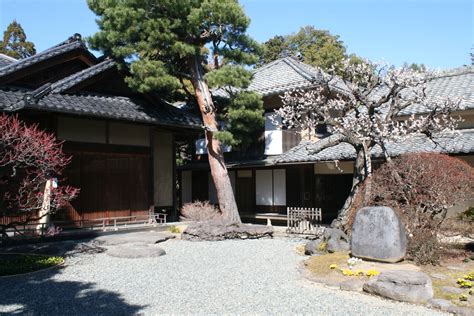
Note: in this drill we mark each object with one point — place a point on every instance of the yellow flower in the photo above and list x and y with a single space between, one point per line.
463 297
333 266
359 273
464 284
372 273
347 272
469 276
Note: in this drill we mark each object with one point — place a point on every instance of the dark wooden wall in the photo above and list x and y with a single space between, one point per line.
111 184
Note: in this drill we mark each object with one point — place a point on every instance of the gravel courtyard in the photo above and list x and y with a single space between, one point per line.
237 277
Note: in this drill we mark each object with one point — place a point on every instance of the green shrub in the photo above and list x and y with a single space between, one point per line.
16 264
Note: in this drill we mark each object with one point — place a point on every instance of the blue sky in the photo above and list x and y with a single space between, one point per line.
438 33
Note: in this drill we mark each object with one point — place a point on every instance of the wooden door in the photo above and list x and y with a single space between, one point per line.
245 194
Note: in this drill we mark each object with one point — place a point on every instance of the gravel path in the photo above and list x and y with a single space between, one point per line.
244 277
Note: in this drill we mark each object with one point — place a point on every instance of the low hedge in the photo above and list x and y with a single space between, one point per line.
11 264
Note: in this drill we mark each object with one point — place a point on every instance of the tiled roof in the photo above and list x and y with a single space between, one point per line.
10 96
283 75
458 143
74 79
73 43
52 97
6 60
453 84
108 107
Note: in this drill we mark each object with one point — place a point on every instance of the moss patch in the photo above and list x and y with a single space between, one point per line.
22 263
451 277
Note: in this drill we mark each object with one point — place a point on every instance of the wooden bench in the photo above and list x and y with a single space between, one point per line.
266 216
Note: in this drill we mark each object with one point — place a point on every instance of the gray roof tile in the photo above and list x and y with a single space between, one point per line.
6 60
108 107
462 143
283 75
78 77
71 44
453 84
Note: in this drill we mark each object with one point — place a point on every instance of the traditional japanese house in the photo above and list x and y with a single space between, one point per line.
121 142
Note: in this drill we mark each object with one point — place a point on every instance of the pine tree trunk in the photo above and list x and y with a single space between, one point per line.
219 173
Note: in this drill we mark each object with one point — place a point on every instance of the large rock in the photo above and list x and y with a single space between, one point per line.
378 234
221 231
337 240
402 285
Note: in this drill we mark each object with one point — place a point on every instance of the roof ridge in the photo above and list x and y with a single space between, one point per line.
455 71
56 50
8 57
267 65
68 82
294 63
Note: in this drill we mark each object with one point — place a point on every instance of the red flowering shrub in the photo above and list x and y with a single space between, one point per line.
28 158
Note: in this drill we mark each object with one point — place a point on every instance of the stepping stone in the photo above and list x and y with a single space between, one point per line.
134 251
440 303
352 285
402 285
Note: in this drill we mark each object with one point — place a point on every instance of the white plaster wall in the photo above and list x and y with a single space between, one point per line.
186 187
273 137
128 134
81 130
279 187
264 187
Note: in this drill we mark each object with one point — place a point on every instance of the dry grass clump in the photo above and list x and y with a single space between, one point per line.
200 211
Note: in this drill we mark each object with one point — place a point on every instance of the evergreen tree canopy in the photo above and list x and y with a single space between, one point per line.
160 39
14 43
318 48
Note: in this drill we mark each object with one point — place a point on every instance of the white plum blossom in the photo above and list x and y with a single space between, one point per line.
370 105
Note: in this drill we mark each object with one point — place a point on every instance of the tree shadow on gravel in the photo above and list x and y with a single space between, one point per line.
39 294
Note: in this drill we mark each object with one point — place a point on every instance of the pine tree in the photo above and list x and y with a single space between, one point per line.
167 43
14 43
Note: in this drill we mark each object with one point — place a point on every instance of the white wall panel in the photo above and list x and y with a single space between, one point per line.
264 190
279 187
273 137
